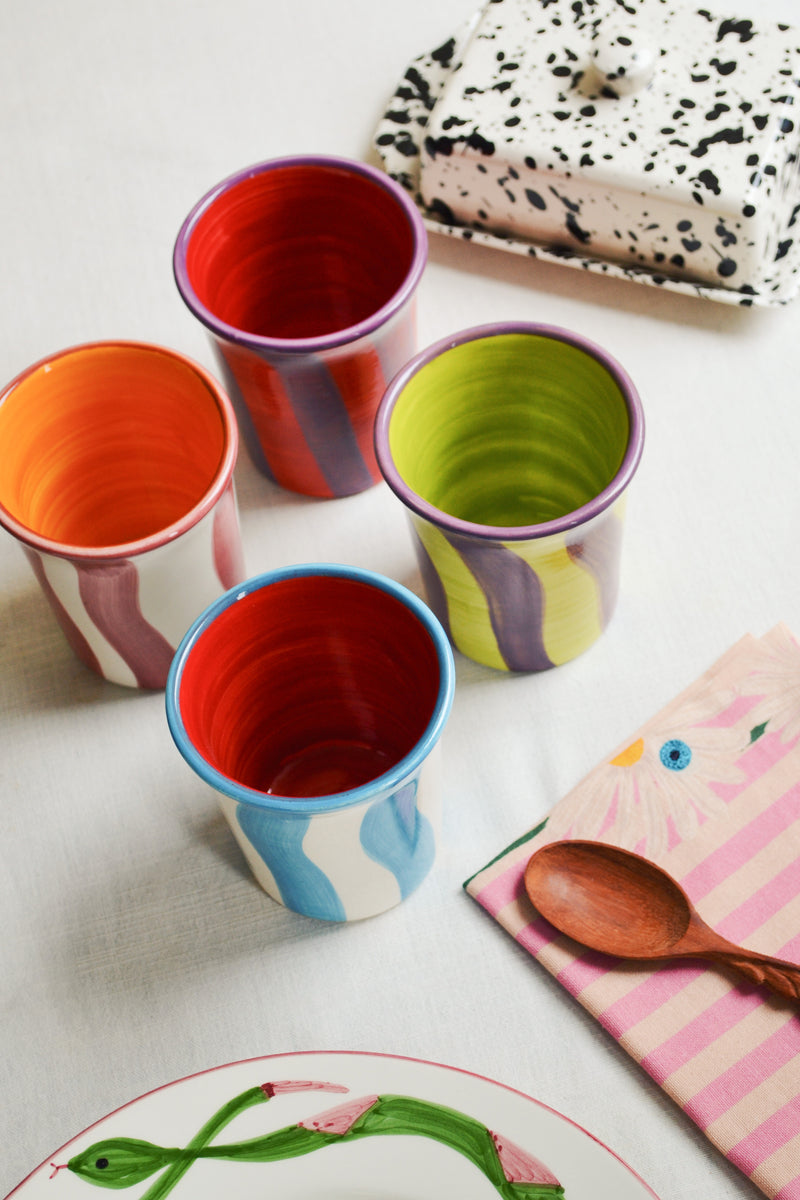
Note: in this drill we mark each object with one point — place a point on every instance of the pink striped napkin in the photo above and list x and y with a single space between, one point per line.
710 789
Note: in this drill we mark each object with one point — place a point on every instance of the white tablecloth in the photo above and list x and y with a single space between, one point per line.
135 946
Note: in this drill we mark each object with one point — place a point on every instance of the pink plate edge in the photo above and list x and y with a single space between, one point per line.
261 1058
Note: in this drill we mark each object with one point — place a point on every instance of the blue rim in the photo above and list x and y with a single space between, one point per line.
392 778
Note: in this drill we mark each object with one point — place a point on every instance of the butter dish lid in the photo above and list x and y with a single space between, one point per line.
639 139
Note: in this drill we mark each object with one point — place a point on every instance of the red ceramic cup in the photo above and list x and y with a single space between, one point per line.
304 270
312 699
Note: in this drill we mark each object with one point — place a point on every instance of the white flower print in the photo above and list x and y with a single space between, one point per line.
777 681
657 788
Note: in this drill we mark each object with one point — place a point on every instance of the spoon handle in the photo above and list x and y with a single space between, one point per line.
700 941
782 977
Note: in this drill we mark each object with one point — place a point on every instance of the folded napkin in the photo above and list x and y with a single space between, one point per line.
710 790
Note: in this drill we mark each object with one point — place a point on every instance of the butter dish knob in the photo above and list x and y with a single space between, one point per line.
622 59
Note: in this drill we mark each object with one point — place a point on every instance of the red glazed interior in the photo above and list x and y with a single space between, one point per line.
299 251
309 686
108 444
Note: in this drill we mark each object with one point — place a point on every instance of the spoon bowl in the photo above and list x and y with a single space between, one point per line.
621 904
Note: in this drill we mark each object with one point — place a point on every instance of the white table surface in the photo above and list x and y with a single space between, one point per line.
135 946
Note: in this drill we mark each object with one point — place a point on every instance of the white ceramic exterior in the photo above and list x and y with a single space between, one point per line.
306 403
124 617
335 868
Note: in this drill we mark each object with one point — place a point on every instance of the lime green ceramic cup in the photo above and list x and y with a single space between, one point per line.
512 447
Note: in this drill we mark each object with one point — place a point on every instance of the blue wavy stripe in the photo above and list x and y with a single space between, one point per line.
395 834
515 599
322 415
303 886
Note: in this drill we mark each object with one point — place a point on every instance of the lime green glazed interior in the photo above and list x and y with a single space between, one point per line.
511 430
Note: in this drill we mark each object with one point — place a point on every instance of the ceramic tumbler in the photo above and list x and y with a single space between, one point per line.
116 477
512 447
304 271
312 699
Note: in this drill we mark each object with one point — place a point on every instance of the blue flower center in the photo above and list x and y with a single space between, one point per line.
675 755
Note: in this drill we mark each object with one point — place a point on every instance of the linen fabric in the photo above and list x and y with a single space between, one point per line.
709 789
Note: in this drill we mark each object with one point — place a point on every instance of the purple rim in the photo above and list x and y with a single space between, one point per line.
326 341
222 476
510 533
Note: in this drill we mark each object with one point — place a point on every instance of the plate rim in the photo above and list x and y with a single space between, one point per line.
48 1160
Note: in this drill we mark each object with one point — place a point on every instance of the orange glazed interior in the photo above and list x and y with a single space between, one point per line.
105 445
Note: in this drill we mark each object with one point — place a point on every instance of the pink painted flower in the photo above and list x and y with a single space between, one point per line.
340 1119
519 1166
280 1086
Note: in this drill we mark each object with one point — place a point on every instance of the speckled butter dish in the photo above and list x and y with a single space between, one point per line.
648 140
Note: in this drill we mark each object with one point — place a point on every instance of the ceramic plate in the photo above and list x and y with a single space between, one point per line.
190 1138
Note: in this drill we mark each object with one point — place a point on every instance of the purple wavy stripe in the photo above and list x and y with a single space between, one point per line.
77 641
434 589
322 415
514 596
599 553
228 555
243 418
110 594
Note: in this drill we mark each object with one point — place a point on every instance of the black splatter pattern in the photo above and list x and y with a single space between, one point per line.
692 175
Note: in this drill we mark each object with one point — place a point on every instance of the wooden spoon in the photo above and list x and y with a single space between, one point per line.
622 904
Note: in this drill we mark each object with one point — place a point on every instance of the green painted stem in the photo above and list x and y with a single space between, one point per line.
128 1161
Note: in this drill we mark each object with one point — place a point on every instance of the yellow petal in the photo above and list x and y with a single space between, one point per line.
630 755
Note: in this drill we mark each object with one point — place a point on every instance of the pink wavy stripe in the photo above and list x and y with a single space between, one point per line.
502 890
585 970
767 750
791 949
768 900
744 844
736 711
760 1143
754 762
790 1190
748 1072
537 935
110 595
76 640
667 982
227 542
643 1000
703 1029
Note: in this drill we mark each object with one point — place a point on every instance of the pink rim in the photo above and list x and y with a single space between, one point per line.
333 1053
224 474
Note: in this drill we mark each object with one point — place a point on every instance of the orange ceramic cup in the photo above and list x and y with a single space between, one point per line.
116 477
